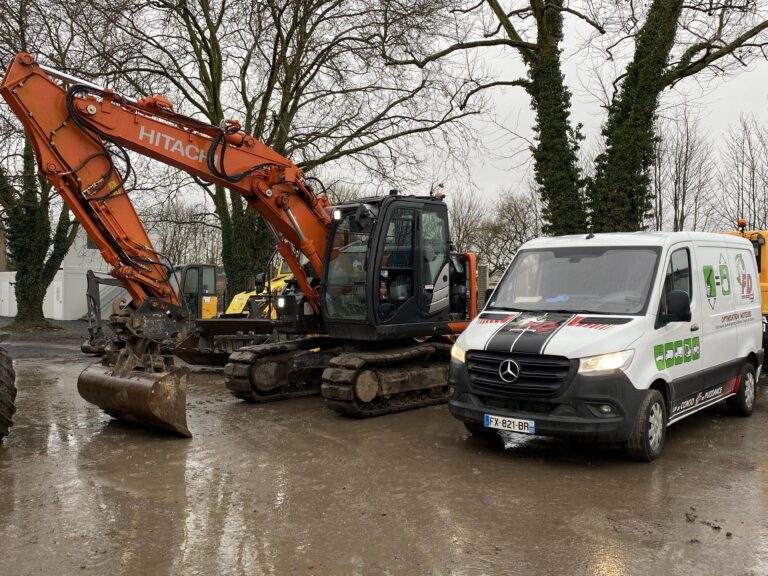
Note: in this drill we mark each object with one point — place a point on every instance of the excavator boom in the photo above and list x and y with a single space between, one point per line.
77 130
383 267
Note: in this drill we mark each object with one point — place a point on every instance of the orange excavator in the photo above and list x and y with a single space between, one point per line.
372 311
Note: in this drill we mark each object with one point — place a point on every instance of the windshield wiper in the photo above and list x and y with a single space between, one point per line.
506 309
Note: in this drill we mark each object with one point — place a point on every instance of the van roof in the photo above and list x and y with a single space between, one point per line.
662 239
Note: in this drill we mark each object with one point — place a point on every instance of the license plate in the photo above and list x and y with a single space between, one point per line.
510 424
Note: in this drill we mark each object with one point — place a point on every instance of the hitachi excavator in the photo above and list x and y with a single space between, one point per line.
375 305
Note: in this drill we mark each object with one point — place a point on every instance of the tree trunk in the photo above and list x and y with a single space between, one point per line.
35 251
555 161
620 193
246 244
29 301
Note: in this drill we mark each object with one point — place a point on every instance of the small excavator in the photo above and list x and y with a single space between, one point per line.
372 311
248 316
260 299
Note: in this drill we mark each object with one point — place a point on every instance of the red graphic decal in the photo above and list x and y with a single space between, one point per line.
594 326
497 319
539 327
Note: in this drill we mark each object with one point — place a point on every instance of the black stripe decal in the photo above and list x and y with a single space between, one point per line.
515 315
529 333
562 324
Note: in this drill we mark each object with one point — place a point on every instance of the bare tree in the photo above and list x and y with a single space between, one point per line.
466 213
185 233
340 192
683 174
744 175
513 220
306 78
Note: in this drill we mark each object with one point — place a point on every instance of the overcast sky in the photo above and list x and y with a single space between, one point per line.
719 101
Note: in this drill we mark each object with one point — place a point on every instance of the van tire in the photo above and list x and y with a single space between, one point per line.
480 431
743 402
647 440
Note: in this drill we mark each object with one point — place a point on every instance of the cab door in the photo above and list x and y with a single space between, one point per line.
719 343
198 290
435 256
677 345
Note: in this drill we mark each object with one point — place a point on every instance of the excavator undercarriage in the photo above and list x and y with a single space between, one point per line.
359 380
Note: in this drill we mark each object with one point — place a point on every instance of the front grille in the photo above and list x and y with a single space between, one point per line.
517 405
540 376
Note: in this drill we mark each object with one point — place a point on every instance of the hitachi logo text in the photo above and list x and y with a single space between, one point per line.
171 144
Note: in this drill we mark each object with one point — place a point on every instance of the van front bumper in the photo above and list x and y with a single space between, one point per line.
573 413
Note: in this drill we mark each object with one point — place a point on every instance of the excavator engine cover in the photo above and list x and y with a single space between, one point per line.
155 399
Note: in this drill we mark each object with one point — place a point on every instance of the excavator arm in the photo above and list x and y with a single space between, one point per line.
78 130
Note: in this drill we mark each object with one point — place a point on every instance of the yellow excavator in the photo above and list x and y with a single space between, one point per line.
254 303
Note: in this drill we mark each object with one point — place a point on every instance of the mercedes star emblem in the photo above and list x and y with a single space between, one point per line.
509 370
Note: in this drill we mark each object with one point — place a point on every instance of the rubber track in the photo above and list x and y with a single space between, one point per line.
237 371
7 393
339 378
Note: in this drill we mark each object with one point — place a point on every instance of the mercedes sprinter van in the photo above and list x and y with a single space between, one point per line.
612 338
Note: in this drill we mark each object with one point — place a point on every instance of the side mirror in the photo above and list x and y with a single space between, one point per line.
678 307
488 294
259 282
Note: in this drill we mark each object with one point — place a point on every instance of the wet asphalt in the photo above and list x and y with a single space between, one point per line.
291 488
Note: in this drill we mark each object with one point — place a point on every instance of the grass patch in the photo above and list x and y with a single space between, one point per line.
26 326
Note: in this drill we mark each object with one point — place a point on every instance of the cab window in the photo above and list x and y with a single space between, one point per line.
209 280
191 281
396 281
757 247
677 276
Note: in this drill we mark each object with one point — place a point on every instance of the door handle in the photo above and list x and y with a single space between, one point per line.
694 328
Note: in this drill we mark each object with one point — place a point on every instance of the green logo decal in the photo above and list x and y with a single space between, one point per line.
709 281
669 354
725 280
676 353
688 350
658 354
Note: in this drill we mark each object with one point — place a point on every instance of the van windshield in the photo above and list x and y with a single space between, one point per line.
596 280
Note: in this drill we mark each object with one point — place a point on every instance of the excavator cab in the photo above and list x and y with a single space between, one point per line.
390 271
198 289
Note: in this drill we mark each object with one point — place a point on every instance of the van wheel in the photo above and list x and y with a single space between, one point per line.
743 402
647 439
480 431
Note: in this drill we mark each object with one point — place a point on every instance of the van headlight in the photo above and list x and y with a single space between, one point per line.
458 354
606 363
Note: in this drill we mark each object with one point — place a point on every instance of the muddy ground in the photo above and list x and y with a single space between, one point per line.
290 488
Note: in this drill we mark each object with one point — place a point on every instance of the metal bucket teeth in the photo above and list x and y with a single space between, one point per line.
158 400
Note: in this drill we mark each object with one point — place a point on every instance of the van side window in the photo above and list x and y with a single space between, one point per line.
677 277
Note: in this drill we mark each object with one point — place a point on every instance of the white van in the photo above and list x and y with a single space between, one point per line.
611 338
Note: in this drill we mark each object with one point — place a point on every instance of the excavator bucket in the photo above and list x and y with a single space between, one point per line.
157 400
